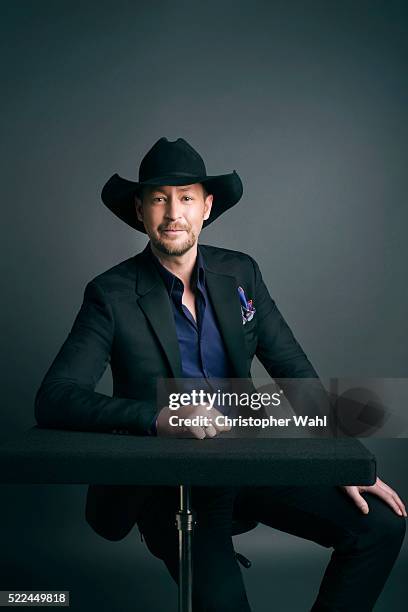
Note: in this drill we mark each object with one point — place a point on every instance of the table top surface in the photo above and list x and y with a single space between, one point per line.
73 457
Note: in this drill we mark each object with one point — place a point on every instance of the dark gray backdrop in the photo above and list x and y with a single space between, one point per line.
308 102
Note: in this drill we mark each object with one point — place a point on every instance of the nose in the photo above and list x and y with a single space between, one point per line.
173 208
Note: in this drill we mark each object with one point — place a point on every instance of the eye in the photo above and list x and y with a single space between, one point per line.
187 197
157 198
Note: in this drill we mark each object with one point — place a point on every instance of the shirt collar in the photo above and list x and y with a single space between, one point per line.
171 280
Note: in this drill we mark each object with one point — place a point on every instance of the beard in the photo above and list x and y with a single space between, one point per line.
168 247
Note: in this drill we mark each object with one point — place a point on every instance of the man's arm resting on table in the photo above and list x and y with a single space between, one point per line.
67 398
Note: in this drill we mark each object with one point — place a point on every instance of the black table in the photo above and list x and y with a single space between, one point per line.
46 456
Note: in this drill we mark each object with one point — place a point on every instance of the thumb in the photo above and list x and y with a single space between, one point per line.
358 499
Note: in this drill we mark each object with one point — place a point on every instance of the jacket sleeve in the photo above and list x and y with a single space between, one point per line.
284 359
67 398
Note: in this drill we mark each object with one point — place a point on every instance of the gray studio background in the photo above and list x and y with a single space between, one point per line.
308 102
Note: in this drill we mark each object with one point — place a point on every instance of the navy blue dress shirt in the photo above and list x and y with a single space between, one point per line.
202 349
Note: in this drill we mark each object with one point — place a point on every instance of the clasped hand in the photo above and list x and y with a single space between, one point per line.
205 425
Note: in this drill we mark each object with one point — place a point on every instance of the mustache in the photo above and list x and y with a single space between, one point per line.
173 227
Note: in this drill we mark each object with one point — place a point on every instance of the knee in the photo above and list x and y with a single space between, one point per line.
395 529
383 529
389 527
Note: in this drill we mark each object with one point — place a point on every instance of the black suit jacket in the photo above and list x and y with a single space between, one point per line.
126 320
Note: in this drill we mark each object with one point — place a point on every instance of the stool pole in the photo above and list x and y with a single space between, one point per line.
185 524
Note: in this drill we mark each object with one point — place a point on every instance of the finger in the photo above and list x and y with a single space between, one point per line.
182 432
394 494
397 500
384 495
383 485
205 407
360 502
197 431
221 425
210 431
400 504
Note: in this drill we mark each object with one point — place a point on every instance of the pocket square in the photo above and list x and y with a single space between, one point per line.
247 308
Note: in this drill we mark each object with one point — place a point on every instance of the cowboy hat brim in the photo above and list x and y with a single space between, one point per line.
118 194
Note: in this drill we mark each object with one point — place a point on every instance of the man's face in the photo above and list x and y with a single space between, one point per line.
173 215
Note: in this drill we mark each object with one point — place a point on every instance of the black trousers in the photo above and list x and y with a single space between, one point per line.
365 547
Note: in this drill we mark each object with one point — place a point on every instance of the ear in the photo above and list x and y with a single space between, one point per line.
139 208
207 206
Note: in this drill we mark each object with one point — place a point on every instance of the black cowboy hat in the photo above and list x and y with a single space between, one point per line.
170 163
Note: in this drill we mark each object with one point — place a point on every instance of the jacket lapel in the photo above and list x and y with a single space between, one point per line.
223 292
155 303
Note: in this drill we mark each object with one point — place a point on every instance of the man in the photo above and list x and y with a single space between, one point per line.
179 310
